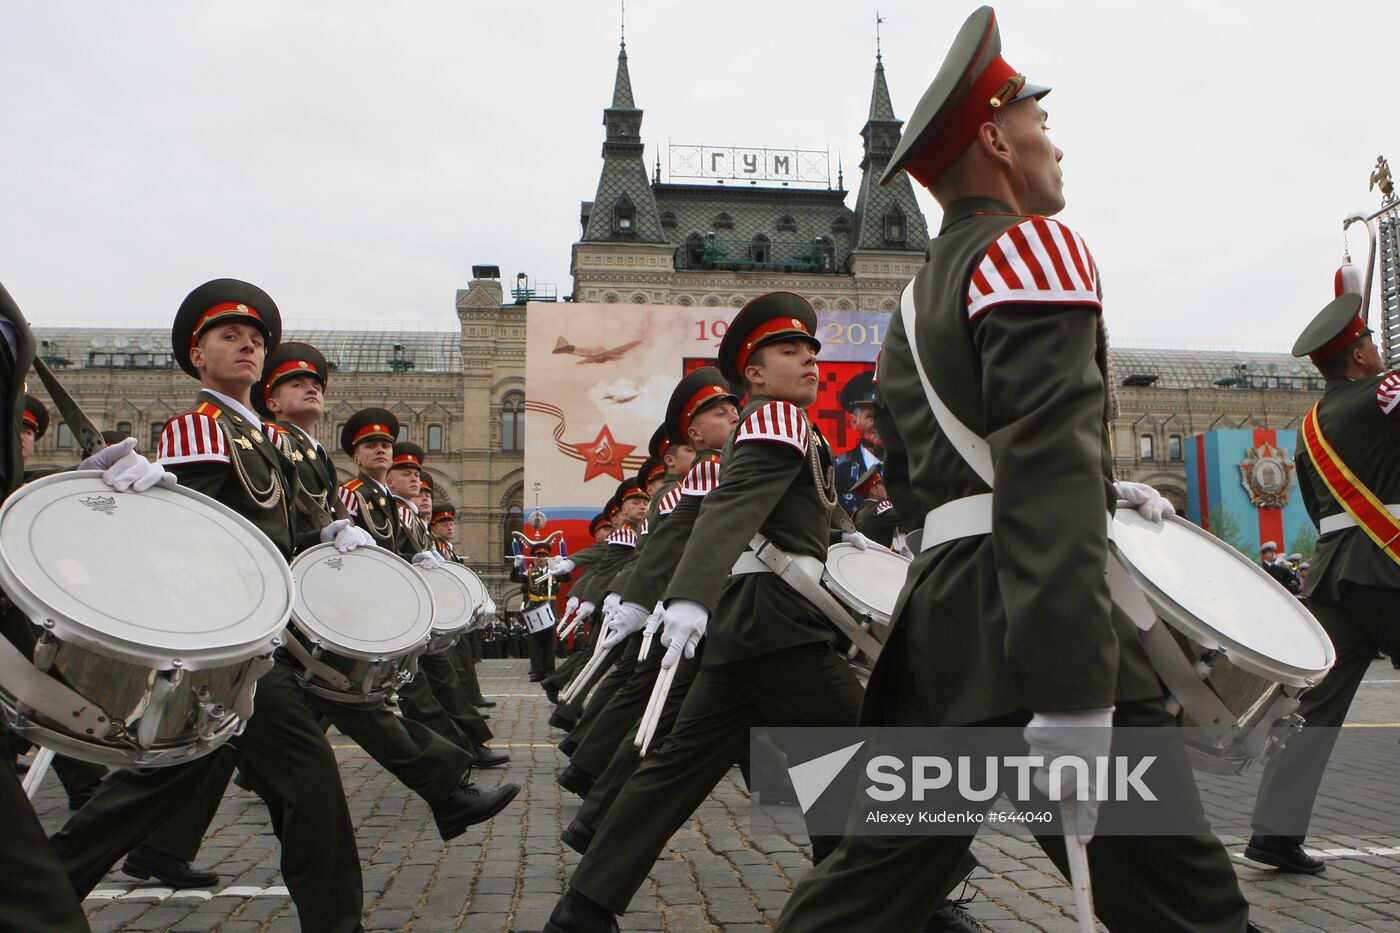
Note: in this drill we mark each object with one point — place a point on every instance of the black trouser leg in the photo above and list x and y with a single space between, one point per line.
601 698
36 895
422 760
442 680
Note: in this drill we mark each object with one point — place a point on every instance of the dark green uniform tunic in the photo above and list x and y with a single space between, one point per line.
770 657
992 627
35 896
878 520
1353 588
218 451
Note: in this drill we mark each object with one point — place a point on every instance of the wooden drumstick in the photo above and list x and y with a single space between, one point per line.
663 690
646 715
1078 857
37 769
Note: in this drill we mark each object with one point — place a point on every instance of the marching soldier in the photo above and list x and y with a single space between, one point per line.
702 410
438 670
994 628
1349 474
876 517
444 528
220 337
37 896
858 398
536 593
770 656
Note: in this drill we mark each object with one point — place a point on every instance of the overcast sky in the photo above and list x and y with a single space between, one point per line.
355 159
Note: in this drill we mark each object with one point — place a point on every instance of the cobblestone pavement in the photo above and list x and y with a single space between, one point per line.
719 872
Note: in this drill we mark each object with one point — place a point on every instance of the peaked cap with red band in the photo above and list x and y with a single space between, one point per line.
427 481
629 488
443 513
660 443
868 480
693 394
770 318
36 415
407 454
366 425
220 302
650 469
1335 328
973 83
289 360
598 521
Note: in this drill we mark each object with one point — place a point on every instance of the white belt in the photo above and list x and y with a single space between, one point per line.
960 518
748 562
1339 522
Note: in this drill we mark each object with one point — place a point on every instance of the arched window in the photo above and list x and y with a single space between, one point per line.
723 222
513 422
668 219
827 251
64 439
435 437
514 521
694 250
403 433
124 427
786 224
1145 446
1173 446
841 226
894 226
624 215
760 250
156 428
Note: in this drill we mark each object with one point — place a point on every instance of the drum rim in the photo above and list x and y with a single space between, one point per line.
153 657
1203 633
843 593
315 634
457 625
471 580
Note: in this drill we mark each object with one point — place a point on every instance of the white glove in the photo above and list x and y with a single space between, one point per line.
1086 734
346 536
428 560
626 619
610 604
585 609
1150 503
569 608
858 539
653 621
560 566
683 625
124 469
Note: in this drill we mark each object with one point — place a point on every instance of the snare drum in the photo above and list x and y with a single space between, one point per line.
454 604
481 599
360 621
540 618
868 584
1234 649
155 612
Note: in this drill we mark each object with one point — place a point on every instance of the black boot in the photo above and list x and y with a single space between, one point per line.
468 806
1284 854
558 720
490 758
144 862
577 914
576 781
550 691
951 918
577 835
568 746
483 703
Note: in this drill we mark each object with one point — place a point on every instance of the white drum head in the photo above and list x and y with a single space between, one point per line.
480 598
454 602
868 581
1212 593
369 603
151 577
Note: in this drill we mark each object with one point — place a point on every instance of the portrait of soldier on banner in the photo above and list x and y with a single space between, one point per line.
858 399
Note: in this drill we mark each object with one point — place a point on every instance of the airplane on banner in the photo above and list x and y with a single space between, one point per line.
594 354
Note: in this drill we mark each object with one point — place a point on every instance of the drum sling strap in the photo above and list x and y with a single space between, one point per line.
1363 508
48 696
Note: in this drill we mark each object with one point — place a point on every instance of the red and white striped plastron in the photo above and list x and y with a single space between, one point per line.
1388 394
1038 261
192 438
782 422
624 536
350 501
701 478
406 517
669 501
645 529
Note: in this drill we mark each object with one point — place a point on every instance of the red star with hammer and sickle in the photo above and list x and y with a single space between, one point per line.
603 456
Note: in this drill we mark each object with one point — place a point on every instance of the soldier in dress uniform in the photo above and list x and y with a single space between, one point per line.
770 657
993 627
631 500
33 426
876 517
535 593
1348 462
438 670
702 411
444 527
221 334
858 398
36 895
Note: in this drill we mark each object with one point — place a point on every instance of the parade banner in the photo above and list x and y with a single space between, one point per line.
1241 485
598 377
